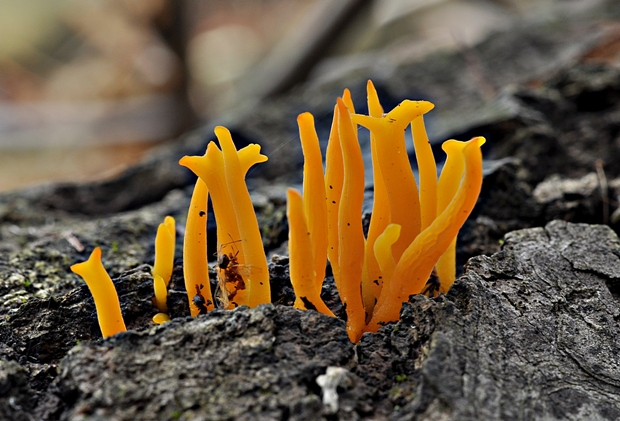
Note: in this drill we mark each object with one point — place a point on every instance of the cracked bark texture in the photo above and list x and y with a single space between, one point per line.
528 333
533 333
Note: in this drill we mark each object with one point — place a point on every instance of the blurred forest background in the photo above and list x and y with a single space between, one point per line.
88 88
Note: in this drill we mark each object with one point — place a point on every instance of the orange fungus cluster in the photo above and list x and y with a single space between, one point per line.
412 230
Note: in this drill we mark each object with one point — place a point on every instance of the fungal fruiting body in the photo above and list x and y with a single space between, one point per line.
412 230
303 273
104 294
416 264
447 187
314 197
350 231
223 172
195 250
165 243
308 228
413 226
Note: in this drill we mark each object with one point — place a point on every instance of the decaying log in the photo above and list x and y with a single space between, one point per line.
528 333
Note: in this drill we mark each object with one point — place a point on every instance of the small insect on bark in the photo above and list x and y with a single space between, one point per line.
230 279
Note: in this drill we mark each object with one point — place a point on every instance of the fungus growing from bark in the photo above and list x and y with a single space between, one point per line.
196 274
165 243
302 269
412 229
102 289
223 172
307 217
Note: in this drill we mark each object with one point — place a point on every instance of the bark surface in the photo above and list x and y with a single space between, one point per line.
528 333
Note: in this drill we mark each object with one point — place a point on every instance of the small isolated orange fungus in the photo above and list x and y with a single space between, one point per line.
165 242
161 318
164 249
161 294
101 287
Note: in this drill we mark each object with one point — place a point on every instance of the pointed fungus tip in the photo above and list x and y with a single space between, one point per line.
341 105
428 105
423 106
95 256
186 161
192 162
480 140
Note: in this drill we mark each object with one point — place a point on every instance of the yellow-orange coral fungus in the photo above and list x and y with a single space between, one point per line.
259 290
334 179
161 318
351 234
348 101
314 199
428 172
446 189
383 252
415 265
389 133
212 170
161 294
196 273
302 270
101 287
368 292
381 204
165 242
409 229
